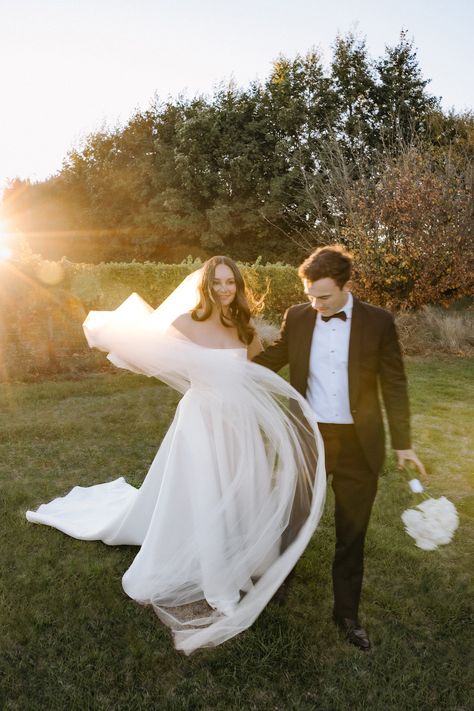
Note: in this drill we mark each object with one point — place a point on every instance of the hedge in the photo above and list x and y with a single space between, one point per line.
43 305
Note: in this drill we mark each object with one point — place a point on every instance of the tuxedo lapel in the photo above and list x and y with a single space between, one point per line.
355 341
305 337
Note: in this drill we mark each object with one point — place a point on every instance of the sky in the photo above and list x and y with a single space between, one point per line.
70 67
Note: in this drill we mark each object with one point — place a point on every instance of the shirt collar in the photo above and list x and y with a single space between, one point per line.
348 305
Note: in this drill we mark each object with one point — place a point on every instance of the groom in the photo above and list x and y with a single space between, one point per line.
340 350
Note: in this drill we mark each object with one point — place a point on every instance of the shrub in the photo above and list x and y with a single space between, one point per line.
436 330
43 305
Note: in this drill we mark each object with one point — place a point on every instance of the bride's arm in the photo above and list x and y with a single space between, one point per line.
254 348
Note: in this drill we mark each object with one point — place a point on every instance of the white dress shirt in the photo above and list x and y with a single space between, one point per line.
328 378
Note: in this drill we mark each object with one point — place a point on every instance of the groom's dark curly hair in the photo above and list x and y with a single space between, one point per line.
333 261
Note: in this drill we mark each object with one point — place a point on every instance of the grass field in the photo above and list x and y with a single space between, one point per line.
71 639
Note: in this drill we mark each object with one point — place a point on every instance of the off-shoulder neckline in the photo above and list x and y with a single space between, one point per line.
207 348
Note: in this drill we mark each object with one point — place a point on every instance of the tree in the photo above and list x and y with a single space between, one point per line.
258 171
403 106
411 228
354 86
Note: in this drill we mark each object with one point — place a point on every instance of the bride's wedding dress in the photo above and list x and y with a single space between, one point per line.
211 511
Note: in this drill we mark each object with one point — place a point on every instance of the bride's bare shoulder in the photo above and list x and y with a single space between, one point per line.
184 323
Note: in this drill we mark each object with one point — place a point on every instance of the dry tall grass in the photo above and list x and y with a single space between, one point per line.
435 330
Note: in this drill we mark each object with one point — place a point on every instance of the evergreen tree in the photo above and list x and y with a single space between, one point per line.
353 83
403 106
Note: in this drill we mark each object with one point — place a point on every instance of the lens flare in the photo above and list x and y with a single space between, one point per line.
5 251
50 273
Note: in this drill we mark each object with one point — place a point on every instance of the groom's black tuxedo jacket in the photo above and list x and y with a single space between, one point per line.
374 360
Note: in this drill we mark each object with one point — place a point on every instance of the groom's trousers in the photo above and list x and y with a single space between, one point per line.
354 485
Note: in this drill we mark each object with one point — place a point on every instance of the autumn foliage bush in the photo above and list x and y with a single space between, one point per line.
411 230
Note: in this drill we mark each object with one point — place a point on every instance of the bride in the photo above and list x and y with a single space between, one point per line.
212 511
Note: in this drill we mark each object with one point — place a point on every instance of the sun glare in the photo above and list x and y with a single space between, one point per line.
5 251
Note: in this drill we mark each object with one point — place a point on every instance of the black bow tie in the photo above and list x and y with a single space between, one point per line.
340 314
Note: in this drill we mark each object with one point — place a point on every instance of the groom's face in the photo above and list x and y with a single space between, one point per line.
326 296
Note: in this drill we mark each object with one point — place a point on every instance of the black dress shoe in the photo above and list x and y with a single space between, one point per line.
355 634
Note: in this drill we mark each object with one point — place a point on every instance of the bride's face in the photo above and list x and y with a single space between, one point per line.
224 287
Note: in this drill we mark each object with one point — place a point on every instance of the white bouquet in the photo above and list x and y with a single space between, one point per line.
433 522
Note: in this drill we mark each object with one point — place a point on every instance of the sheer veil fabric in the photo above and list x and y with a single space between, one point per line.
210 515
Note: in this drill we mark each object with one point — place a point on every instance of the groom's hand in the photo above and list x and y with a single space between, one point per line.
408 456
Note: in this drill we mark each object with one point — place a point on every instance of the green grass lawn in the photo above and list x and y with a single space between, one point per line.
71 639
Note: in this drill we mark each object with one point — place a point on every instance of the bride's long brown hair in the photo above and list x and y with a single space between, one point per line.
239 309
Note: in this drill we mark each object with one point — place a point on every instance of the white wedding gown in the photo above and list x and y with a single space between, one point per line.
211 511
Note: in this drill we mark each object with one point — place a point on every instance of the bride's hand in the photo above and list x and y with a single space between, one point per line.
408 456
